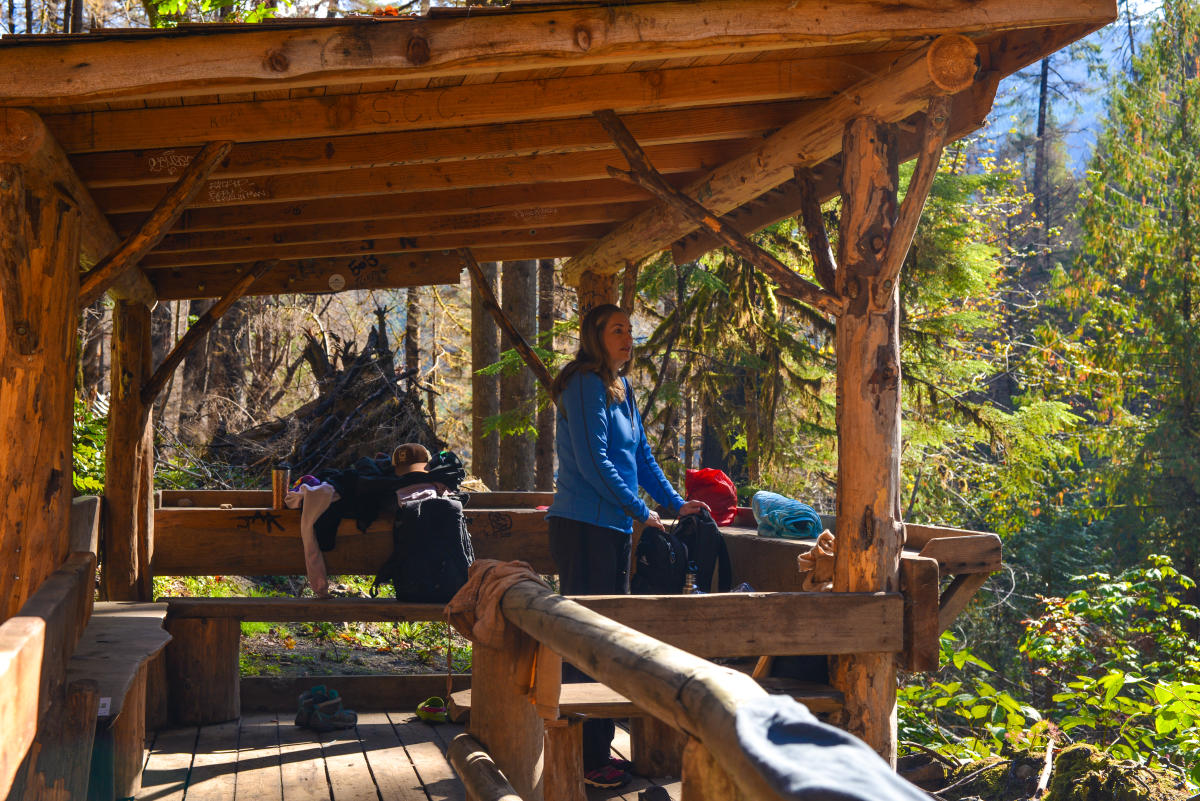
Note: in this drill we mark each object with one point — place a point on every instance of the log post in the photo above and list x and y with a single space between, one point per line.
869 534
504 721
39 285
595 290
704 779
128 460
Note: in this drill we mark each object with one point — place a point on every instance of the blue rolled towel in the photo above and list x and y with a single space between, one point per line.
779 516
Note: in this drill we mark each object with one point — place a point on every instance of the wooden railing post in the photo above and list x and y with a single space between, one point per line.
504 720
869 534
39 284
129 460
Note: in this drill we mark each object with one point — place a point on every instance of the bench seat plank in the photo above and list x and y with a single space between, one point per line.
304 610
120 638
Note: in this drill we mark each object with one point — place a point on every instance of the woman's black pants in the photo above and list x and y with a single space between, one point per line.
591 560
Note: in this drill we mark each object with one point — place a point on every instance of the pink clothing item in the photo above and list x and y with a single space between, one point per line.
421 492
312 502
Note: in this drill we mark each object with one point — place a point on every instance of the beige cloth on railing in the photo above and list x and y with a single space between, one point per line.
817 565
475 613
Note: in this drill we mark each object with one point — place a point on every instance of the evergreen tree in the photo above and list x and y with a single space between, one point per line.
1135 291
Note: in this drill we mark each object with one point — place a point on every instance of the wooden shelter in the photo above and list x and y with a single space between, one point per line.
328 155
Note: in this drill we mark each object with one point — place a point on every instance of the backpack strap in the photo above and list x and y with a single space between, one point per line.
724 567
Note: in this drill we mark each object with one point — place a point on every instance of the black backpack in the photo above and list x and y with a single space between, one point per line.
706 549
431 551
661 564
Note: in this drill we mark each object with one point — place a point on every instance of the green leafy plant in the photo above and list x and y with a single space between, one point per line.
87 449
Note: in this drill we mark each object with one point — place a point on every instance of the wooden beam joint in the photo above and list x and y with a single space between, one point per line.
156 225
643 174
199 329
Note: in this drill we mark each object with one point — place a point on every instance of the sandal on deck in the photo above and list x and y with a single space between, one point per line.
330 716
308 702
432 710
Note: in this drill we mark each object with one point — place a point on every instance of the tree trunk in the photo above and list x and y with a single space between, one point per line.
412 335
128 459
162 338
92 357
1041 191
39 288
668 447
192 427
485 389
546 414
517 391
869 534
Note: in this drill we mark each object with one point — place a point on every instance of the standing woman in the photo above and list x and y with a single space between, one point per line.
603 457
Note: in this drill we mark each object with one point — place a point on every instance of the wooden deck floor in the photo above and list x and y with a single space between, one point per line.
264 757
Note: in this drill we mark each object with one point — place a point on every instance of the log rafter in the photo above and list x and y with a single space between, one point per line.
487 296
156 225
947 66
644 174
199 329
824 266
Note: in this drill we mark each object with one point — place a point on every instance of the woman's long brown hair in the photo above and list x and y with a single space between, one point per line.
590 357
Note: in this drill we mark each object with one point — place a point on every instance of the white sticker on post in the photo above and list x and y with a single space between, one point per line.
105 705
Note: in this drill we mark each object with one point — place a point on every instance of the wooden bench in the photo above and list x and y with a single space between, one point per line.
115 652
78 672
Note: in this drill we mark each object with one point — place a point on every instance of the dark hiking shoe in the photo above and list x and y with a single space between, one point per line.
606 776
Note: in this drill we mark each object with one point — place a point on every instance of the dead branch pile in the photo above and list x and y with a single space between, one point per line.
364 407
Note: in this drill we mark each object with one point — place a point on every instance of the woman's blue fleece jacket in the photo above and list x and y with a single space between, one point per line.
603 457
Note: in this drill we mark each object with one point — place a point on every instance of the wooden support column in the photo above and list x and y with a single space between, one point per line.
704 779
39 284
869 534
129 461
595 290
25 140
504 721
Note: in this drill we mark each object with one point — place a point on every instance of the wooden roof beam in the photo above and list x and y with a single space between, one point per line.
533 204
25 140
968 112
135 246
361 248
369 228
422 177
947 66
197 63
458 106
382 150
315 275
643 173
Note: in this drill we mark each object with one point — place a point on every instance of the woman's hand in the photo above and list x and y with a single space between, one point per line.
654 521
691 507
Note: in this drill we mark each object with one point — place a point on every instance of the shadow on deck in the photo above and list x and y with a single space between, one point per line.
389 756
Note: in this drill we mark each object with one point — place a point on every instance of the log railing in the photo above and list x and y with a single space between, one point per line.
689 693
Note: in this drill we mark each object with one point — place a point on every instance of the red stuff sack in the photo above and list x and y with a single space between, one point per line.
712 486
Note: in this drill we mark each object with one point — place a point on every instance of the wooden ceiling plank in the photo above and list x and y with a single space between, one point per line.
366 247
450 107
250 159
25 140
424 177
186 63
535 201
134 247
890 96
342 274
373 227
